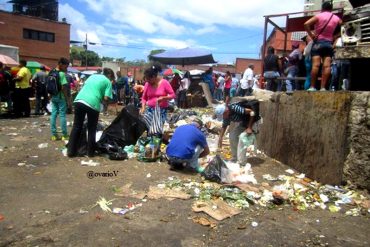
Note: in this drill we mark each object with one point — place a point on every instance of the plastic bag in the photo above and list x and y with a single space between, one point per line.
149 148
213 171
246 146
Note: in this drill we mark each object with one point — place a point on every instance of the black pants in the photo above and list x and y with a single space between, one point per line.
21 102
81 111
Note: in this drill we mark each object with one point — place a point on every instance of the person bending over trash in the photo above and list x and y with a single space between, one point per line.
187 144
245 112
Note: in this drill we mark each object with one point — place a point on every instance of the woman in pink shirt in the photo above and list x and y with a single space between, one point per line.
156 89
325 31
228 80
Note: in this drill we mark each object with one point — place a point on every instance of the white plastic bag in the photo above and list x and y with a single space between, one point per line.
246 146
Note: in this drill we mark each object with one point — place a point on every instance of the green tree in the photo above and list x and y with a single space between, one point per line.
154 52
78 53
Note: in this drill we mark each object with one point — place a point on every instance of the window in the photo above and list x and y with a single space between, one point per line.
38 35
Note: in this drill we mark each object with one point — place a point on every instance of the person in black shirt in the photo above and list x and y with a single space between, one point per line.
244 112
272 68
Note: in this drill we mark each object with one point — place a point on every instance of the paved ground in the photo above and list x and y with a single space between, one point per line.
43 203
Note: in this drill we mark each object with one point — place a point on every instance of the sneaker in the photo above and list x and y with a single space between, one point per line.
311 89
65 138
323 89
54 138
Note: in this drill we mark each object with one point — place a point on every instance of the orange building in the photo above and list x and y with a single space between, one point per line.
38 39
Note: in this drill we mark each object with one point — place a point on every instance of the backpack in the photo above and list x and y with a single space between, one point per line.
53 86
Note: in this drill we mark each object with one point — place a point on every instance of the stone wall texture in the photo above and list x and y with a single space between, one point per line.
325 135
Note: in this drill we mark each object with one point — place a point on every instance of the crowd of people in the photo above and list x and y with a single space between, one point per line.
90 96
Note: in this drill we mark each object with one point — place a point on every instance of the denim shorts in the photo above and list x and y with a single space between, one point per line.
322 48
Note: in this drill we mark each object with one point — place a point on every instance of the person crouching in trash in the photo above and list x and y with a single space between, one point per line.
187 145
246 113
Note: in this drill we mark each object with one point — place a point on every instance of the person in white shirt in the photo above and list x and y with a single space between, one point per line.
246 82
220 87
184 86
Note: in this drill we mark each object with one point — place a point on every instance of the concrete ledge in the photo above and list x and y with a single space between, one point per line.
319 133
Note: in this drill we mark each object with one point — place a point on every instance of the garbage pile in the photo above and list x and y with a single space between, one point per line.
293 190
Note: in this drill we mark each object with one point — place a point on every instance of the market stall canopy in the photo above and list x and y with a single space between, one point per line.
8 61
171 71
33 64
72 70
185 56
196 72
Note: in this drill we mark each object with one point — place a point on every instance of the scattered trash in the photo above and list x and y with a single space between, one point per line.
12 134
64 152
204 222
43 145
254 224
126 191
89 163
2 217
121 211
21 164
148 175
334 209
222 211
290 171
104 204
83 211
170 194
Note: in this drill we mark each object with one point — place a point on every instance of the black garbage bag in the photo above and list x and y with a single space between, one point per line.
213 171
82 140
180 116
125 130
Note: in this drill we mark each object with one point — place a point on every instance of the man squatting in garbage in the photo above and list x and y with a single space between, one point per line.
187 145
245 112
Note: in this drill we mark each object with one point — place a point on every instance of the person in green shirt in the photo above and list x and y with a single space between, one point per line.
22 91
98 87
60 102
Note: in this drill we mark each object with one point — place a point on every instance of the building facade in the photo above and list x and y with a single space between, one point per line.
38 39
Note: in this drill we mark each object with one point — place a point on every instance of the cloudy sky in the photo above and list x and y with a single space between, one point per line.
132 28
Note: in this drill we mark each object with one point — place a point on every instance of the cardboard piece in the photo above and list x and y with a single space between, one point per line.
126 191
170 194
217 209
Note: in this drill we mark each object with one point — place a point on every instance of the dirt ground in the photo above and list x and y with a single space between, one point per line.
47 200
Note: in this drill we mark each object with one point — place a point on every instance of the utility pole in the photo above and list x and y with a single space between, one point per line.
85 52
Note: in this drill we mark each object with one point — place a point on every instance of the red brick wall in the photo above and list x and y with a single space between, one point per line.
243 63
48 53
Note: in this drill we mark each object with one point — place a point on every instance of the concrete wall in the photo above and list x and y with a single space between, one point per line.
322 134
357 163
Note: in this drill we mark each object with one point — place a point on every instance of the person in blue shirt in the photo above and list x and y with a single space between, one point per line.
188 144
208 78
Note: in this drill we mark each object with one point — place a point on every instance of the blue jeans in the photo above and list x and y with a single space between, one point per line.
219 94
308 64
58 106
270 77
193 161
290 83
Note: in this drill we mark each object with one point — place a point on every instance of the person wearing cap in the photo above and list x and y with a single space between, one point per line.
39 82
292 71
246 113
187 145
